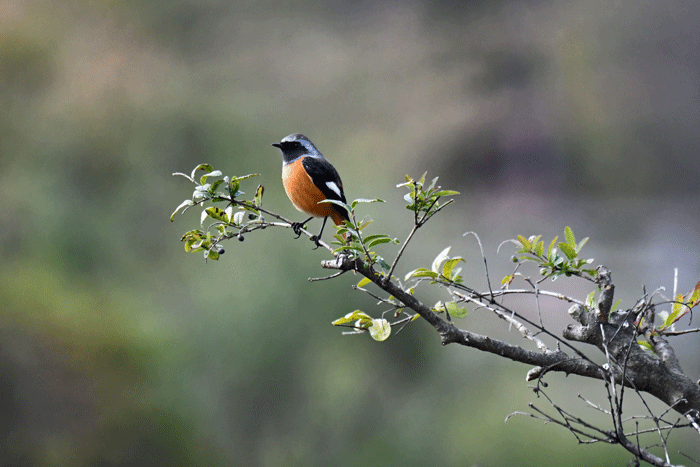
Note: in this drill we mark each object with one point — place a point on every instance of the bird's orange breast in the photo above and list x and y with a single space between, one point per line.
304 195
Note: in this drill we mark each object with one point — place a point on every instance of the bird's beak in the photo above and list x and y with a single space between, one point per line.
277 145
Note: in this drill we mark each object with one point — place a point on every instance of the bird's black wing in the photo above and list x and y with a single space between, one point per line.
325 177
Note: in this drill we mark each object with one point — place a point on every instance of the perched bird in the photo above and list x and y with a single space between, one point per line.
309 178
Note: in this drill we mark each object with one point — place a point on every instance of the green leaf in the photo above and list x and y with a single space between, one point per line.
507 279
212 254
455 310
570 239
380 329
449 266
421 272
205 167
432 184
645 345
215 173
695 296
364 282
233 187
365 200
378 241
438 194
524 242
245 177
590 300
677 304
440 258
568 250
336 202
356 317
580 245
185 204
551 247
217 214
257 200
614 307
539 248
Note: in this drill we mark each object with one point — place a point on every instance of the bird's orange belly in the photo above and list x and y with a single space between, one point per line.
303 194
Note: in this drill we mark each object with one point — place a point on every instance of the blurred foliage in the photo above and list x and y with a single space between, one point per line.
115 353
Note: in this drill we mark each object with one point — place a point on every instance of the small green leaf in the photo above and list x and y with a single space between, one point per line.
580 244
507 279
233 187
217 214
257 200
455 310
570 239
212 254
378 241
421 272
677 304
440 258
441 193
614 307
355 316
204 167
524 242
336 202
568 250
214 173
695 296
551 247
365 200
590 300
645 345
363 282
380 329
449 266
539 248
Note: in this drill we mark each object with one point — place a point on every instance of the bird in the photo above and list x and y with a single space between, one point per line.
308 178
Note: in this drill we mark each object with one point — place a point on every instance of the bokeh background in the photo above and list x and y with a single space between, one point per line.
120 349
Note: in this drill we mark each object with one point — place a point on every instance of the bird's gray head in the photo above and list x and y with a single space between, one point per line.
295 146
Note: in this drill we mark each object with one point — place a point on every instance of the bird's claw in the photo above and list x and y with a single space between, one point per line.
296 227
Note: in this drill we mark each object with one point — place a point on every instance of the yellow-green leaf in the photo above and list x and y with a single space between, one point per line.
380 329
216 213
524 242
363 282
455 310
569 235
355 316
449 266
439 259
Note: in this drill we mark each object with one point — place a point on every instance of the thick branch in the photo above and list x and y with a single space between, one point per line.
661 377
551 360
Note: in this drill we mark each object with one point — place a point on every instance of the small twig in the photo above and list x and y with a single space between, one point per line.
403 247
483 256
332 276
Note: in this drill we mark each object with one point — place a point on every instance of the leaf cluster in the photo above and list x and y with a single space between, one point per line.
551 262
236 218
681 306
424 200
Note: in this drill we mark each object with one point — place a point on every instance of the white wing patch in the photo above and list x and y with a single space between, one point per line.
334 188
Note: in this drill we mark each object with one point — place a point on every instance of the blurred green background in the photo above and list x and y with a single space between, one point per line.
120 349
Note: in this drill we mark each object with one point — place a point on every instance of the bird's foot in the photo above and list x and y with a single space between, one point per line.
316 239
296 227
